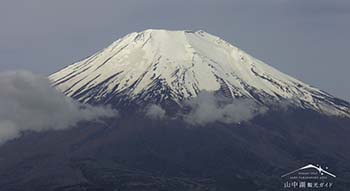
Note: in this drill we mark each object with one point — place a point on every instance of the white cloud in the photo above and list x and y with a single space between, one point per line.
155 112
208 108
29 103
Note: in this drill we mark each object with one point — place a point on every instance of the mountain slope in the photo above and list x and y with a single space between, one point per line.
156 66
133 153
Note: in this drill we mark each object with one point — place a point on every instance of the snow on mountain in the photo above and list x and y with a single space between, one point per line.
160 65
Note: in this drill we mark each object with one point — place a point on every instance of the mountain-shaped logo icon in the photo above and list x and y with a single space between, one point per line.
320 170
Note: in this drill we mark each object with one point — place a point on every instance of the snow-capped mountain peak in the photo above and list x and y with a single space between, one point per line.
160 65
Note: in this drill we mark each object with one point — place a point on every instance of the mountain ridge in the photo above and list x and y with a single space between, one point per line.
156 66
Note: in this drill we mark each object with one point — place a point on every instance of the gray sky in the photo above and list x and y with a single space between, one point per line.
308 39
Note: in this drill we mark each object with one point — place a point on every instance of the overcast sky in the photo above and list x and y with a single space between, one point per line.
308 39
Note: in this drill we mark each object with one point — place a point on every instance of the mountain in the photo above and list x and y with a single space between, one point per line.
157 66
133 152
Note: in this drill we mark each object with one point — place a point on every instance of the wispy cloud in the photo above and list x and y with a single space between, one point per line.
155 112
208 108
29 103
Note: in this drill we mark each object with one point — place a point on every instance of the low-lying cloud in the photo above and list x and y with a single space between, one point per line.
155 112
208 108
29 103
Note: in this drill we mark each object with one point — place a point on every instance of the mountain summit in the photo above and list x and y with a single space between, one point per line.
157 66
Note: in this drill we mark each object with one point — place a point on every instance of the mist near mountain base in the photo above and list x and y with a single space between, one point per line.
155 112
208 108
29 103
